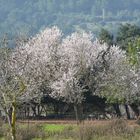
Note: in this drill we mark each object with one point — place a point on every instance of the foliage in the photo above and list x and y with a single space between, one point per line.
106 37
133 52
127 33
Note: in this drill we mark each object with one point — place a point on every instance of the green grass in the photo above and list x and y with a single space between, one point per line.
57 127
54 127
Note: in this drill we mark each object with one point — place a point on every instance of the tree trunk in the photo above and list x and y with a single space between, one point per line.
127 112
38 111
76 113
28 110
80 108
13 121
117 109
45 109
34 111
135 108
8 116
25 112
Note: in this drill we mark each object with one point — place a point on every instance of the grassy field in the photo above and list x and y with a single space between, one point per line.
114 130
54 127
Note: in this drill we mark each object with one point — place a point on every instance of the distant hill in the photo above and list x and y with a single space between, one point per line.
29 16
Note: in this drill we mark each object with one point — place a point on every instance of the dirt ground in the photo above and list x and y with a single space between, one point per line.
94 122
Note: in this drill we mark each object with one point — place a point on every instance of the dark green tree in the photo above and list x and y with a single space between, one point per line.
106 37
127 34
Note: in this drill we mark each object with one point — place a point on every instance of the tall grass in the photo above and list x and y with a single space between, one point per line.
115 130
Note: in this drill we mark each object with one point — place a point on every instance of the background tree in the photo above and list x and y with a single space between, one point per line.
127 33
134 57
106 37
121 83
133 51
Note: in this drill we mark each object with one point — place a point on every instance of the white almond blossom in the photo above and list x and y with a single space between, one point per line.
79 53
120 83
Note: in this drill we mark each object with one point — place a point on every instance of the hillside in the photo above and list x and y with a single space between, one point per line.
30 16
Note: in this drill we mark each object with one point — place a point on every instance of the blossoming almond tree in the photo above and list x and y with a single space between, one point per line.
120 85
116 62
25 69
78 56
12 86
88 64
